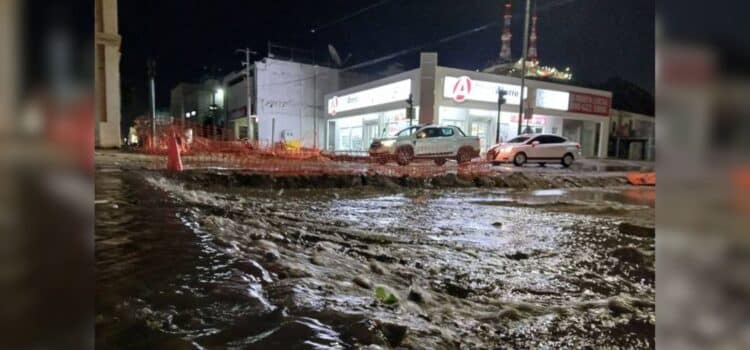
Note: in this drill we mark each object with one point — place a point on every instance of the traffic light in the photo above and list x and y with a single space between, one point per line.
410 109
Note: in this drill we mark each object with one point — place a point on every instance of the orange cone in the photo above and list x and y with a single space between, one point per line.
174 162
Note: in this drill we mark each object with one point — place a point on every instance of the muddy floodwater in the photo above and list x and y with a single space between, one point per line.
180 267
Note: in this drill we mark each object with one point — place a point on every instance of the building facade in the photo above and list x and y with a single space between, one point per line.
107 75
196 102
285 98
239 93
632 136
289 100
467 99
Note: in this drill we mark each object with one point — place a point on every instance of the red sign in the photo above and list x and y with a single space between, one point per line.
535 120
461 89
589 104
333 104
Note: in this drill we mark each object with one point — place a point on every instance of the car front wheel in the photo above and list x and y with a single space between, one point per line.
519 159
404 156
463 156
439 161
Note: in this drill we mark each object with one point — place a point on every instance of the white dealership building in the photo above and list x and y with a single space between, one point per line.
467 99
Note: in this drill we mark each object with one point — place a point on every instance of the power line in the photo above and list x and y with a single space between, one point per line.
547 6
349 16
419 47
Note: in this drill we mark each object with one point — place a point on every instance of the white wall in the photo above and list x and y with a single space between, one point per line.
235 94
292 94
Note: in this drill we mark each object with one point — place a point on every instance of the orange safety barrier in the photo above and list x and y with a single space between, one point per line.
202 147
740 180
641 179
174 162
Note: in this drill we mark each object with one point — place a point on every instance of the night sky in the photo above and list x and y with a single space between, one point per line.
598 39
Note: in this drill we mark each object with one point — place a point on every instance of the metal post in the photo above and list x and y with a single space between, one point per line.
315 107
410 110
500 100
273 131
523 61
152 91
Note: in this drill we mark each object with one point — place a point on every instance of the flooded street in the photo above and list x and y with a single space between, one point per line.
479 268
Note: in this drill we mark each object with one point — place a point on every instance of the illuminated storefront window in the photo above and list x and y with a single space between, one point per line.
356 133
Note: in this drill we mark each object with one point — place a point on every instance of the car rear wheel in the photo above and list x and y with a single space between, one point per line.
440 161
404 156
519 159
567 160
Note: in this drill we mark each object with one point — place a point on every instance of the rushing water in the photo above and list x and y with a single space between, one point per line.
266 269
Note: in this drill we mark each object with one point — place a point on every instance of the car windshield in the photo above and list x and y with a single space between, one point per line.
408 131
518 139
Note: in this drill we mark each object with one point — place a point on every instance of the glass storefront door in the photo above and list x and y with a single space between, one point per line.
481 128
583 132
371 132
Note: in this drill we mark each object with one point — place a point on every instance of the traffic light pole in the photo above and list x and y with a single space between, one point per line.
410 110
500 101
523 62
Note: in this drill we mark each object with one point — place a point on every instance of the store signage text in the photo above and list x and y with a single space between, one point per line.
393 92
589 104
463 88
552 99
535 120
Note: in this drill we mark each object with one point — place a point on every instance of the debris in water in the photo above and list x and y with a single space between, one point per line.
385 295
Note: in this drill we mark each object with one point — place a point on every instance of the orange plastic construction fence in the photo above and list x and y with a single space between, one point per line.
641 179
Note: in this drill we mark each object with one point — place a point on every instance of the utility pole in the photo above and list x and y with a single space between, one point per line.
249 102
500 101
151 66
523 62
315 107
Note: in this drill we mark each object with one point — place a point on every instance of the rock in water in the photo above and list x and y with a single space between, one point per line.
418 295
619 306
456 290
377 268
635 230
517 256
394 333
363 282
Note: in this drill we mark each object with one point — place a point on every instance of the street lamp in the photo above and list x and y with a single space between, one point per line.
500 101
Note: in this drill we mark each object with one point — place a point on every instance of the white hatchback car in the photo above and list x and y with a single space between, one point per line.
535 148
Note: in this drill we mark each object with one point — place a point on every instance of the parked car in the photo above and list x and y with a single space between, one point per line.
535 148
426 142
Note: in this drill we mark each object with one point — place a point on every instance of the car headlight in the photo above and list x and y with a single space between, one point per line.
506 149
388 143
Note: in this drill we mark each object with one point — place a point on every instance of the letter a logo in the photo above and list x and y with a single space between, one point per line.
462 89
